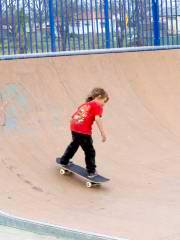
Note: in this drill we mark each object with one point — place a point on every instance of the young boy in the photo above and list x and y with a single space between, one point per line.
81 129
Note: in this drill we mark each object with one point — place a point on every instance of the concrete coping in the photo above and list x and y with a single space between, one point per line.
88 52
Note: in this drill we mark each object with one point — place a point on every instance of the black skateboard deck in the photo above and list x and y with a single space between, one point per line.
80 171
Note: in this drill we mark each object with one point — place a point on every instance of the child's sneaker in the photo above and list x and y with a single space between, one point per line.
58 160
92 175
69 163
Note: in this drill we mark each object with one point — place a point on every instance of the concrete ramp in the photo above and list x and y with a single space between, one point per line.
141 156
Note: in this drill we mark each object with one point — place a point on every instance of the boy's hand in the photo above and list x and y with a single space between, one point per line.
100 126
104 138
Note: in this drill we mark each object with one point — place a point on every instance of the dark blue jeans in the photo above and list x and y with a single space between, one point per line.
86 143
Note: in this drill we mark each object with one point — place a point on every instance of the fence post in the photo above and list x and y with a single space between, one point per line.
51 20
106 13
155 11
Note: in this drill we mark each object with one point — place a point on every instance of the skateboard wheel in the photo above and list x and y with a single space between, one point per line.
88 184
62 171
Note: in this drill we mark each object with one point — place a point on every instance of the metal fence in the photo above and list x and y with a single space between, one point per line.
35 26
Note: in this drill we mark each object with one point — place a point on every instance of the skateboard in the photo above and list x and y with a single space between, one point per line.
81 172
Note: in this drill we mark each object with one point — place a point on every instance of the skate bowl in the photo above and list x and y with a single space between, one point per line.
141 156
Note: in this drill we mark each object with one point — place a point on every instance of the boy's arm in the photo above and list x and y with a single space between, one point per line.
99 123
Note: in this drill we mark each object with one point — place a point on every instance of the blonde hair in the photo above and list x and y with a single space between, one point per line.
97 92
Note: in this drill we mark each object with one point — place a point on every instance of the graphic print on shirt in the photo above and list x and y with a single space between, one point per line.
81 114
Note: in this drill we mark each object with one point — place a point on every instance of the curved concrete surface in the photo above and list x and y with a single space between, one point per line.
141 156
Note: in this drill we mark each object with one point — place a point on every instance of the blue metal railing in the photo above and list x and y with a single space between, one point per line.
36 26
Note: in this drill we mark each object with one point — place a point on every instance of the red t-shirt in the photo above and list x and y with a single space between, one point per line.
83 119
